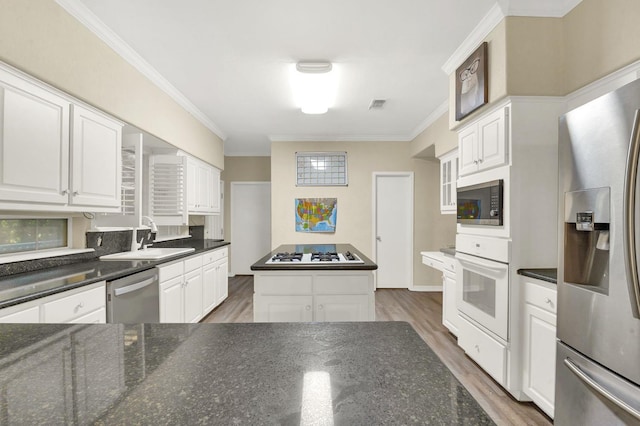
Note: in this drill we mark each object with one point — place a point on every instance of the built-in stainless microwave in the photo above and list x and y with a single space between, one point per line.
481 204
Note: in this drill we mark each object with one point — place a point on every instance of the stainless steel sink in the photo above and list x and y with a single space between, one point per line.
147 254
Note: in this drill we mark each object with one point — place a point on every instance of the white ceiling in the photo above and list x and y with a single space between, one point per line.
230 60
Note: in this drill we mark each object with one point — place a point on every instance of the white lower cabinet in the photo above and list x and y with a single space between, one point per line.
302 296
539 366
490 354
449 301
191 288
81 305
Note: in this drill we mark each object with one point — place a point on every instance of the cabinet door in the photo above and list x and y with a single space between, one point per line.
282 308
492 143
222 280
540 357
34 143
468 150
214 190
193 296
448 178
344 307
449 307
193 192
209 283
96 160
171 303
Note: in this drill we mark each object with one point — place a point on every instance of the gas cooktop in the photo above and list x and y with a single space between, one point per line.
316 257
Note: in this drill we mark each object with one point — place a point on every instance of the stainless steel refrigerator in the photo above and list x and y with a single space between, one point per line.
598 352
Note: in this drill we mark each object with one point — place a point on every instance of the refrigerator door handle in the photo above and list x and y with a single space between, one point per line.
601 389
630 180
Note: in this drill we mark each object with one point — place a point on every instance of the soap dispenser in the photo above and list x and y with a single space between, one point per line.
134 242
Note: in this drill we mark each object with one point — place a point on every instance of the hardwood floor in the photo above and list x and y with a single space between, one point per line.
424 312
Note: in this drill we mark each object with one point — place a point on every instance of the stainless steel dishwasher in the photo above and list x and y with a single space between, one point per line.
134 298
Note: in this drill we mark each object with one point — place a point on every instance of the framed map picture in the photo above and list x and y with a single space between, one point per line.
316 214
472 90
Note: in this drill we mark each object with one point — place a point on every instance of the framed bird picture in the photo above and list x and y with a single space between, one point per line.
472 90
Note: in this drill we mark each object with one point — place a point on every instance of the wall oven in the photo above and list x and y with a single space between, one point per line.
482 280
481 204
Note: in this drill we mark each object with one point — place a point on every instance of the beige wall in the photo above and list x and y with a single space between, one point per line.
435 140
497 70
354 220
601 36
41 39
242 169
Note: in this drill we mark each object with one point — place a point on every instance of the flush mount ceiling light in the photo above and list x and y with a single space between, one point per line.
314 86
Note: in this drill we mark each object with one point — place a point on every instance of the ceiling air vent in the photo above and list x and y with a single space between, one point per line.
377 103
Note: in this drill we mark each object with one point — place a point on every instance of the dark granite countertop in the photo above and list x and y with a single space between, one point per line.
451 251
261 264
266 373
27 286
545 274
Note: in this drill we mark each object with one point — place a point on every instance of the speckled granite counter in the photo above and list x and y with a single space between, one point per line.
545 274
313 373
27 286
261 264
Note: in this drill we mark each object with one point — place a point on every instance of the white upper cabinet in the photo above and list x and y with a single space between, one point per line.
448 178
203 187
96 175
483 144
50 160
34 139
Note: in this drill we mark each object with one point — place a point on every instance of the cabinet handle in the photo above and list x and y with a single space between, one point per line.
547 300
477 348
65 191
80 306
480 160
475 161
76 193
307 308
320 307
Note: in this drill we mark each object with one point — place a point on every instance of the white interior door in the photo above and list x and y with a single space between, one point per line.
393 229
250 224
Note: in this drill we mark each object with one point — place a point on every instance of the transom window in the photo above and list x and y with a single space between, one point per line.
22 235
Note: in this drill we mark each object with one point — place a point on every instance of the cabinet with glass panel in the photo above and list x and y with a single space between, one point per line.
448 178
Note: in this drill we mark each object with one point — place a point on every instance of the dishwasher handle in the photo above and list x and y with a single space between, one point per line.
133 287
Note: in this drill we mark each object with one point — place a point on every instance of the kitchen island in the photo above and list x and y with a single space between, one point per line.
314 282
321 373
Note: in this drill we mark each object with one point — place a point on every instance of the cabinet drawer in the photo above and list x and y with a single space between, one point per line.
449 263
483 349
433 260
95 317
192 263
488 247
213 255
20 314
75 305
343 284
283 284
540 296
167 272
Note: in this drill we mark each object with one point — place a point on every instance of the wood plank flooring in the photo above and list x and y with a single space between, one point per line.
424 312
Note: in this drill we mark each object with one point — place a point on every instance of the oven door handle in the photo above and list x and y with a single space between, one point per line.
477 261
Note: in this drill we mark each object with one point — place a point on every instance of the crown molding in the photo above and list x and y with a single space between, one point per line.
431 118
473 40
539 8
87 18
350 138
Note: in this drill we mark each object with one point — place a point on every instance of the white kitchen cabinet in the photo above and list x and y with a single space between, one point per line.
295 296
483 144
448 178
171 300
85 304
203 187
96 159
449 298
191 288
291 308
56 154
539 343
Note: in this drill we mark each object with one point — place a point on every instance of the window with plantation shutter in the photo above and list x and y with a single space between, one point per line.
167 189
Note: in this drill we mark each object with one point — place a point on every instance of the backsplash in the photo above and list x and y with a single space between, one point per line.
108 242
